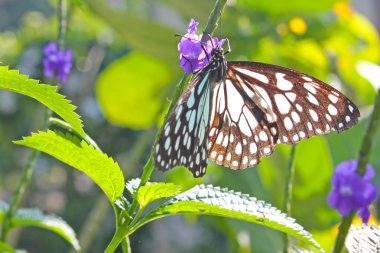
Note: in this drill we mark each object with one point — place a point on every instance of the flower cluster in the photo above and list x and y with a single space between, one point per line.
57 63
351 191
195 54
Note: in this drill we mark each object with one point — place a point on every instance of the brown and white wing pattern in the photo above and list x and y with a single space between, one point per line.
259 105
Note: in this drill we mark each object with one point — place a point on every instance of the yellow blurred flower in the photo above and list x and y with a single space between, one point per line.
343 9
298 25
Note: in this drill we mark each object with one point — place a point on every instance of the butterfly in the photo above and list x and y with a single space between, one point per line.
234 113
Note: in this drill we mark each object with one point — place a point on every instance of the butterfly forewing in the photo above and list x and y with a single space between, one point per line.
183 140
259 105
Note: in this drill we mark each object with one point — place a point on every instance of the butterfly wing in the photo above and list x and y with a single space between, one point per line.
259 105
183 140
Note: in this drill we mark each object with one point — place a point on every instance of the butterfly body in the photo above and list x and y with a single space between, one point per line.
236 112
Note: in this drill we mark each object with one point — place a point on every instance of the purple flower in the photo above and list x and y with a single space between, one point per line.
351 191
57 63
195 55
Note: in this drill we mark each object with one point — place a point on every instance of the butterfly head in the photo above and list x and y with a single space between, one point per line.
218 64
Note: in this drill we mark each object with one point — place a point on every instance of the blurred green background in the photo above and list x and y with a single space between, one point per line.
125 71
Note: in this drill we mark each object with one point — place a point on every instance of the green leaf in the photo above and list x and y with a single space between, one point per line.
132 185
363 239
5 248
155 191
145 35
12 80
131 90
34 217
209 200
78 154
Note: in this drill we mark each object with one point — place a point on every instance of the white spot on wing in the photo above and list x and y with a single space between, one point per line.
258 76
235 101
333 98
282 83
332 110
282 103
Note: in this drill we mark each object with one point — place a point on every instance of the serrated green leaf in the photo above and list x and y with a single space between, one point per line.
155 191
78 154
209 200
34 217
363 238
12 80
132 185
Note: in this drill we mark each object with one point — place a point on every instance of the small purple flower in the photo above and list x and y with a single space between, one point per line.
57 63
195 55
351 191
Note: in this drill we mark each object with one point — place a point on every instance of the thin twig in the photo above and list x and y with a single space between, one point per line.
289 192
364 153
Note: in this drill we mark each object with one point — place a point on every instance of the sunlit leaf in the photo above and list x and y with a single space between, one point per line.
12 80
34 217
78 154
363 239
209 200
130 90
155 191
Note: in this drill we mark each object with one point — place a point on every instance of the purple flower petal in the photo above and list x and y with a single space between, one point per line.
57 63
195 55
364 214
351 191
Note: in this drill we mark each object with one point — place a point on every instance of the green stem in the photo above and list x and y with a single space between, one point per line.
116 240
289 192
364 153
126 245
214 18
148 168
62 19
23 183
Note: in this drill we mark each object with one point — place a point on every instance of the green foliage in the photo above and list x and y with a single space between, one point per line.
131 96
155 191
5 248
137 32
34 217
209 200
78 154
13 81
278 7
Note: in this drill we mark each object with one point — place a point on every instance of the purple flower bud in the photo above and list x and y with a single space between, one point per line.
57 63
195 56
351 191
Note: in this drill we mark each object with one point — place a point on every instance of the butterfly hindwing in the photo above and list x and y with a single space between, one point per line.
183 140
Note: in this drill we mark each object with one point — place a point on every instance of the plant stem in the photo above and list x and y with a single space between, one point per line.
116 240
148 168
289 192
364 153
23 183
62 19
213 19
